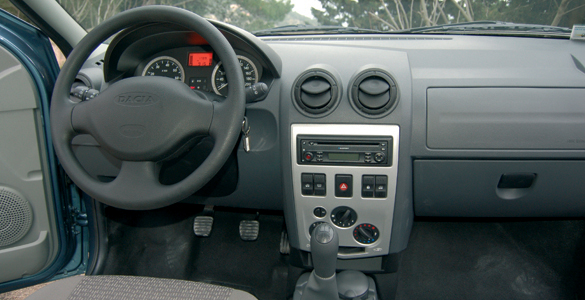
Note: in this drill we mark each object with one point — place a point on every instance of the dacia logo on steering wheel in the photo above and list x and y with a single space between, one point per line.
136 99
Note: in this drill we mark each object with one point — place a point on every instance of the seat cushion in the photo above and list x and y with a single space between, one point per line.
135 288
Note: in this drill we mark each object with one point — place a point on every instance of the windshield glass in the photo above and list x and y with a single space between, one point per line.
361 16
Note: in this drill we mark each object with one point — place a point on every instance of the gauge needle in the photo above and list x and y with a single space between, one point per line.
222 86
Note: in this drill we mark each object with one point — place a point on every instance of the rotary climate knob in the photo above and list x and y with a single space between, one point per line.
343 216
366 233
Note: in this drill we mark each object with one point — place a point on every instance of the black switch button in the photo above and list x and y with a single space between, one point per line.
319 212
343 185
381 186
319 183
307 183
368 186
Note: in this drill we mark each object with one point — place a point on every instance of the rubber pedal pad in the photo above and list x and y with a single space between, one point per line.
249 230
202 225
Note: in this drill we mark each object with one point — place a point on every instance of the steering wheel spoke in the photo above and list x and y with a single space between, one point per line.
139 174
137 184
80 116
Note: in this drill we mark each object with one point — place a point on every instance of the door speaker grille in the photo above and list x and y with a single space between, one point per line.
15 216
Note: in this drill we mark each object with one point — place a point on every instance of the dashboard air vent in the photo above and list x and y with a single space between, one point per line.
373 93
316 92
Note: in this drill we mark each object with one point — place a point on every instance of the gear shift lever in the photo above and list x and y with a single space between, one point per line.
322 284
324 247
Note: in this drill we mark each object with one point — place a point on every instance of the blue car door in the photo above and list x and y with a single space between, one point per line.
41 233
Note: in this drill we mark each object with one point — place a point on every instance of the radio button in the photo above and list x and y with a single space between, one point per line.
379 157
308 156
343 186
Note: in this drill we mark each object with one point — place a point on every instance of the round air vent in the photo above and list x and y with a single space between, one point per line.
316 93
15 216
373 93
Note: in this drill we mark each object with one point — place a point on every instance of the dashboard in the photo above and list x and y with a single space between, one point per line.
471 126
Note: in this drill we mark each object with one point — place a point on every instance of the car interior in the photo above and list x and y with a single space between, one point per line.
332 166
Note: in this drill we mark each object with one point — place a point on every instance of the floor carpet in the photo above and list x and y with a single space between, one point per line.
445 259
161 243
495 259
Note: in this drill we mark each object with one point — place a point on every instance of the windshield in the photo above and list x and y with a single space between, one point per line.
361 16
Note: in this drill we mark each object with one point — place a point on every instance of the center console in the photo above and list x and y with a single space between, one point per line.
346 175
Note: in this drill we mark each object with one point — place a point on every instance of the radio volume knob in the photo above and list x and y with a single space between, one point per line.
308 156
379 157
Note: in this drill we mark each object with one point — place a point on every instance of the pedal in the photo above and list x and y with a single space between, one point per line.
249 230
202 225
284 243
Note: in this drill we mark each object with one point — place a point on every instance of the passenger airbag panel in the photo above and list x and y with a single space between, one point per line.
505 118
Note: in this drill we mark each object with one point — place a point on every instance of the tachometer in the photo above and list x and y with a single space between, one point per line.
219 80
165 66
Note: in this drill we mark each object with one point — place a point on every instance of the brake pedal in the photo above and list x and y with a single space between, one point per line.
202 225
249 230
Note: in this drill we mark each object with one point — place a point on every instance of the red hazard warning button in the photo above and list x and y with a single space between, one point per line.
343 185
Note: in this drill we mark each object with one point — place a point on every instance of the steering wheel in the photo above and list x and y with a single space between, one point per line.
144 120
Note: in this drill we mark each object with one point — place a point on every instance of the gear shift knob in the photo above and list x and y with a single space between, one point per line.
324 247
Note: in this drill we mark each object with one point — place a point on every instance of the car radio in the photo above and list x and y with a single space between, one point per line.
352 151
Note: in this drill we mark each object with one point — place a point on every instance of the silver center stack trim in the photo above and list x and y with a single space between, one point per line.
376 211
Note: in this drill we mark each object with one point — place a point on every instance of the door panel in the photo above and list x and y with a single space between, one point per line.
28 231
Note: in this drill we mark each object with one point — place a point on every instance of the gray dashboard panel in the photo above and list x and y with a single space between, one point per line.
505 118
492 62
469 188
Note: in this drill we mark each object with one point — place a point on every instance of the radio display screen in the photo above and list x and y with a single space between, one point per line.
344 156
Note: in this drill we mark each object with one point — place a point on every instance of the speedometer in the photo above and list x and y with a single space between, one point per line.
219 80
165 66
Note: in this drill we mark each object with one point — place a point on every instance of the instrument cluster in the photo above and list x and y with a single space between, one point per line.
199 68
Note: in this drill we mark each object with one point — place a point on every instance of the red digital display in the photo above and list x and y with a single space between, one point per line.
200 59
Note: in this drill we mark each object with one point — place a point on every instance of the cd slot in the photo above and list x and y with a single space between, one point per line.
358 143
